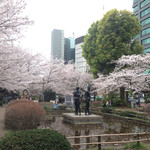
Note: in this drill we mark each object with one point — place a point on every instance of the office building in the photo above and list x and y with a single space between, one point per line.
69 50
142 9
61 47
80 62
57 43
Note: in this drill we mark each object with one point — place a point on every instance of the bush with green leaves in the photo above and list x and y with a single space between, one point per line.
1 103
115 99
118 102
5 101
128 114
62 107
147 101
134 146
97 103
106 110
49 95
36 139
98 99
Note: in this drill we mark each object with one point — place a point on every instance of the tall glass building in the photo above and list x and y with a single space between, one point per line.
80 62
142 9
69 51
61 47
57 43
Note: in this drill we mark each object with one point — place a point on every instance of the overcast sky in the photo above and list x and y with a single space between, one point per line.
68 15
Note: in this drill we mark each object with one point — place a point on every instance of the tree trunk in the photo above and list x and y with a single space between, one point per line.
122 93
127 93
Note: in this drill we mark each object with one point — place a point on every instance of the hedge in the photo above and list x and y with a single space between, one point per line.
35 139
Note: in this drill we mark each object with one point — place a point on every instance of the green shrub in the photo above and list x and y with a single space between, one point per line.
23 114
49 95
115 99
128 114
62 107
5 101
82 104
135 146
46 108
96 103
147 101
106 110
98 99
37 139
1 103
131 114
118 102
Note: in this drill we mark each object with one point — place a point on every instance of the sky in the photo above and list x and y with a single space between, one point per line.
72 16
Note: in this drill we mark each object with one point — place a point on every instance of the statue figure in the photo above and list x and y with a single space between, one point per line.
87 101
77 102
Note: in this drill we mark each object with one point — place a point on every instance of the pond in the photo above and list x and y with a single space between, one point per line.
107 126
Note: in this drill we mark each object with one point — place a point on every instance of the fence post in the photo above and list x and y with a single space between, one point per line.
99 140
138 142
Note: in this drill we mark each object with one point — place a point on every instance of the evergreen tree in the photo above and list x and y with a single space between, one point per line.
109 39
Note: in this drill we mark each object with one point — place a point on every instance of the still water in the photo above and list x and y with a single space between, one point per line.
107 126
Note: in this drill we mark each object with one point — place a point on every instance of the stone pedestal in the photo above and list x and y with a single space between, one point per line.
71 118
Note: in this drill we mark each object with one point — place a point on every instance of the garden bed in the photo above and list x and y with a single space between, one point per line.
142 121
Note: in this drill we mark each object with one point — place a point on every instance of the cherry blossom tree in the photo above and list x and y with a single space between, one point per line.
138 64
63 78
18 68
12 20
14 63
129 73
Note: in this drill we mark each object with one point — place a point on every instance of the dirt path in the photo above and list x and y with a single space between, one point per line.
2 130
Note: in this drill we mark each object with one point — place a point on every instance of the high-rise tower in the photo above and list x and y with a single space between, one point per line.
142 9
61 47
57 43
69 52
80 62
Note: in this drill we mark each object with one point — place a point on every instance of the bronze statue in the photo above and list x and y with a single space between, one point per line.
87 101
77 102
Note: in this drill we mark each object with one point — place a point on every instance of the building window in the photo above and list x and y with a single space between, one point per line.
134 1
135 8
146 31
147 50
146 41
145 12
146 21
144 3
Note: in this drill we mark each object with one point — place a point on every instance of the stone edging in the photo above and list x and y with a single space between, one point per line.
142 122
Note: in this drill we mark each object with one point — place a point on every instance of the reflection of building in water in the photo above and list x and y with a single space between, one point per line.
77 140
87 132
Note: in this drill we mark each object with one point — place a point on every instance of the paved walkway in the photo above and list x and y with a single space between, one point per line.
2 130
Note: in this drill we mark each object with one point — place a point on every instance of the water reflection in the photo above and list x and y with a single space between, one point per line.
107 126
